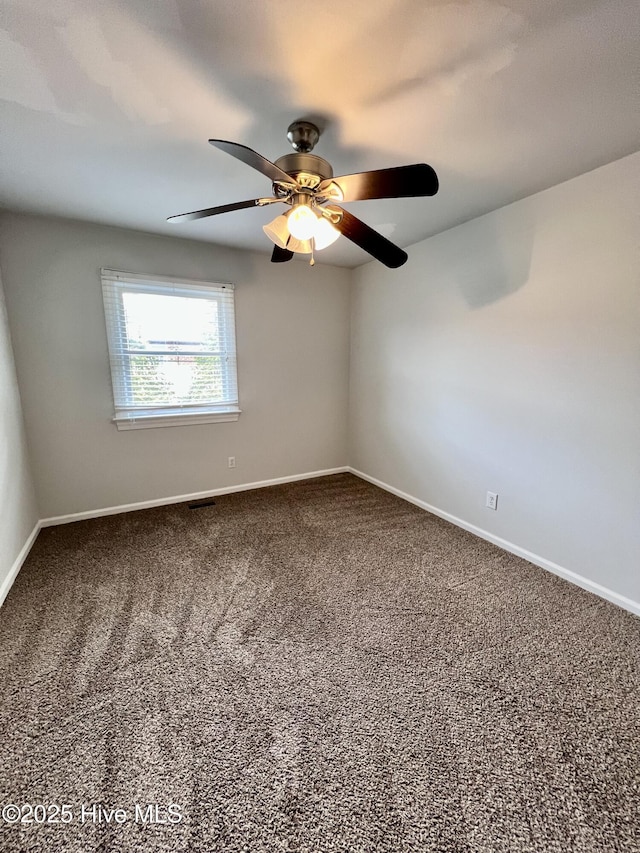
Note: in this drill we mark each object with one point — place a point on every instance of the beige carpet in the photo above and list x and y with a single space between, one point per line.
313 667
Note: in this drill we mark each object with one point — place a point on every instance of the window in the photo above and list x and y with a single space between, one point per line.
172 350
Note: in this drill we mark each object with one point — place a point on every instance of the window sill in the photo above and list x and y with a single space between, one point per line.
139 420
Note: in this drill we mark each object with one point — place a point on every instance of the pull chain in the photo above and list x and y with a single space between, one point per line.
312 262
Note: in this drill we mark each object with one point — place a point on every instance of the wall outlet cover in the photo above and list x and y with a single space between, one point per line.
492 500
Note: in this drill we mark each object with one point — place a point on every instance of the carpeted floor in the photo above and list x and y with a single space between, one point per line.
313 667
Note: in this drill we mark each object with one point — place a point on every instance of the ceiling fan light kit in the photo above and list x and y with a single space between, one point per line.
285 234
307 184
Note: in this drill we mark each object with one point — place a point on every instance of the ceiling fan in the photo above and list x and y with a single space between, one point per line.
306 183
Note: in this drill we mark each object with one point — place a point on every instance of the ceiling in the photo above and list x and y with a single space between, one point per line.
106 105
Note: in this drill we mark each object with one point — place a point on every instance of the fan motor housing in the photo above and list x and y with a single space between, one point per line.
312 168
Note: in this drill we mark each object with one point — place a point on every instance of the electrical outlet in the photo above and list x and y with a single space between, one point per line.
492 500
232 462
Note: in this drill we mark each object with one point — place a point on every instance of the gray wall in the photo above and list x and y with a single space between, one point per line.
292 339
18 510
505 356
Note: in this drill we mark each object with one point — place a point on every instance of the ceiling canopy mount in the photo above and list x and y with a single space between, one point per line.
303 136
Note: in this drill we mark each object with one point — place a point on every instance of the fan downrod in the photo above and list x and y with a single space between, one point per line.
303 136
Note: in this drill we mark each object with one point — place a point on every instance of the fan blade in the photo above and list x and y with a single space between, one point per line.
279 255
375 244
399 182
222 208
252 158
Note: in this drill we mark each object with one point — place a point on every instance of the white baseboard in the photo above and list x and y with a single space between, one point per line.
7 583
195 496
572 577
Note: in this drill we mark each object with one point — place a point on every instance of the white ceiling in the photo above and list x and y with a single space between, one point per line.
106 105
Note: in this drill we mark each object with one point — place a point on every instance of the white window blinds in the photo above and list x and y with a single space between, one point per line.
171 347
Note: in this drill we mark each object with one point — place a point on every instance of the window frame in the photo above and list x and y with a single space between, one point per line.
127 417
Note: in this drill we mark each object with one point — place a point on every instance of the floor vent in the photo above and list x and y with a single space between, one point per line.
201 504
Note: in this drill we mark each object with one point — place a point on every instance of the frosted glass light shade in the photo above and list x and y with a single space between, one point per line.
325 234
302 222
302 247
278 231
